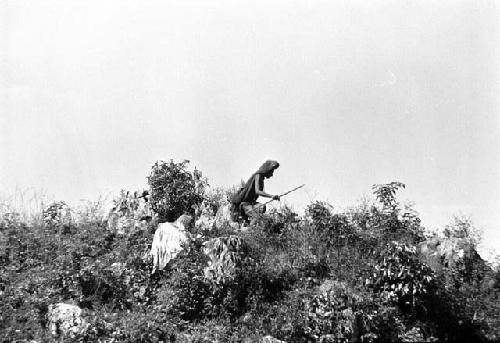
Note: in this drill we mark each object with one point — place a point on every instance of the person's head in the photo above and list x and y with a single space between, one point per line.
267 169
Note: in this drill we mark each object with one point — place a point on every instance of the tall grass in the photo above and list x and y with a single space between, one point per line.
25 205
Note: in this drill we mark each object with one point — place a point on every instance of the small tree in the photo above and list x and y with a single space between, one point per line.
174 189
386 194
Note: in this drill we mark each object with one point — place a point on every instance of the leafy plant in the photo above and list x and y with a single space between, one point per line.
386 193
174 189
398 275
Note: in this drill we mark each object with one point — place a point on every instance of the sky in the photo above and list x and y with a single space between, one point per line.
344 94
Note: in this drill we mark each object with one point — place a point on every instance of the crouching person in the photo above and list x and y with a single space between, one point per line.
244 203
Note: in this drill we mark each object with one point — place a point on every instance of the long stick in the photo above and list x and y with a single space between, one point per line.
290 191
293 190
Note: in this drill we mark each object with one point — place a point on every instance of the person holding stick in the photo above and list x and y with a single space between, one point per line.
244 203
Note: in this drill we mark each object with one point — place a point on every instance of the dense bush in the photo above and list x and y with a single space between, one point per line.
174 189
399 276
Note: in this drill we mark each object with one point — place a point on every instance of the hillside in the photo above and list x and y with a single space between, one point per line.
369 274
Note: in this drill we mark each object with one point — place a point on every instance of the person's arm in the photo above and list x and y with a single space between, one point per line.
260 191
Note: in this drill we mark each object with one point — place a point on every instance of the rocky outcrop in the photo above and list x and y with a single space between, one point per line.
205 218
223 217
270 339
168 241
225 255
439 253
65 320
205 223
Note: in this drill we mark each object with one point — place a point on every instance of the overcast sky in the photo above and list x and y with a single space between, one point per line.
344 94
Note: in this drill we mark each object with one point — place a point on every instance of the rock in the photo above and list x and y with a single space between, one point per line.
224 217
329 286
225 255
339 289
439 253
66 320
205 222
270 339
413 335
168 241
117 268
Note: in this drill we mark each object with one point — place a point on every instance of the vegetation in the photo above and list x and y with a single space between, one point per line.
368 274
174 189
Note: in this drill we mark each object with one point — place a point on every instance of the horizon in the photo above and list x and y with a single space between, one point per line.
343 94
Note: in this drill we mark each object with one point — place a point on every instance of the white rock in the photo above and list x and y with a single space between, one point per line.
270 339
445 252
205 222
117 268
66 320
224 217
168 241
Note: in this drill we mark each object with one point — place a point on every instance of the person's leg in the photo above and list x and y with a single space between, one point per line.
252 211
262 209
234 212
245 211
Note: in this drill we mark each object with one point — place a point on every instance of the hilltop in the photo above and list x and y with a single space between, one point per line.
367 274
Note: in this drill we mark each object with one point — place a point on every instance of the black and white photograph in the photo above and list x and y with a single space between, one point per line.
249 171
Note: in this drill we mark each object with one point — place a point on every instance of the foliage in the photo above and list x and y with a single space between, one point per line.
399 277
215 198
386 194
91 212
174 189
334 228
56 214
326 276
184 293
130 211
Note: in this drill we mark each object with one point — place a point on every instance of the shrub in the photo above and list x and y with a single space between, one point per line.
175 190
182 291
399 277
57 214
386 194
146 324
